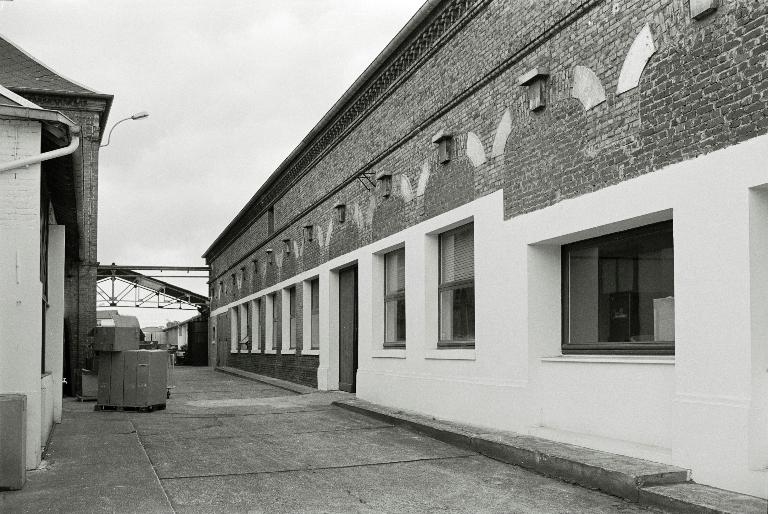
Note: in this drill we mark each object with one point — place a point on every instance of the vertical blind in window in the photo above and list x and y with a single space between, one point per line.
457 288
315 312
292 313
394 298
457 251
275 319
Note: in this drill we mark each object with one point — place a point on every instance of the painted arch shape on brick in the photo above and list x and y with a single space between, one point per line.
475 149
406 191
637 57
587 87
502 134
423 179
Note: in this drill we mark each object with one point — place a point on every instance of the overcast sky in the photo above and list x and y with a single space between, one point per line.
231 88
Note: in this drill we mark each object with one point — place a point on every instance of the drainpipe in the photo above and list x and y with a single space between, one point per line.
45 156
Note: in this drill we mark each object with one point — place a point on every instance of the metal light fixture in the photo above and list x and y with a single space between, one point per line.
385 183
341 212
444 142
137 116
268 251
308 232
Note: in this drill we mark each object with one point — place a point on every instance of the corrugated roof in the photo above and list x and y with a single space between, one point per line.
19 70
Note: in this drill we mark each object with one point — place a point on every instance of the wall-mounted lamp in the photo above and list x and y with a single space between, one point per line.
702 8
384 181
444 142
341 212
308 232
138 116
287 245
536 80
268 251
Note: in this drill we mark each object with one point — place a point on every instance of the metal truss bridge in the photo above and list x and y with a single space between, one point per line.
125 286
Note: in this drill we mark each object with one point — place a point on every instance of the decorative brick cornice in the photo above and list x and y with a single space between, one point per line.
430 36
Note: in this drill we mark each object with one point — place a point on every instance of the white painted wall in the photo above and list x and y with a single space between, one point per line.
20 287
705 408
54 324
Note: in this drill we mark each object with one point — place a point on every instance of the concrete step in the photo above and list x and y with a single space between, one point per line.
613 474
698 498
282 384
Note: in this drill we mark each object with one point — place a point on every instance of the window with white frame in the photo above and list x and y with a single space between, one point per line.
315 314
292 318
456 295
245 326
275 319
618 293
256 325
234 337
394 299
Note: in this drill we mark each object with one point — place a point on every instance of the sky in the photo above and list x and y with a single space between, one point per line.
232 86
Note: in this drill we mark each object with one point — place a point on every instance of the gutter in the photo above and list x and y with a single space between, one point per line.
42 115
370 72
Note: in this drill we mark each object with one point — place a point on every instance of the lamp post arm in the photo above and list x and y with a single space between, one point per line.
109 136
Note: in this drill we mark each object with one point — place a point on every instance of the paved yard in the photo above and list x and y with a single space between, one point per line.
227 444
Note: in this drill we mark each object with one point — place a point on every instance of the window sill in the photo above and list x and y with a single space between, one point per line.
458 354
316 351
245 351
272 351
291 351
389 353
613 359
256 350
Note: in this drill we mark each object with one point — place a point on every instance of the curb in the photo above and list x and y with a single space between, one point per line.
282 384
637 480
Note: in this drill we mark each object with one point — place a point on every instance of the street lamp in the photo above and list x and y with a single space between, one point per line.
138 116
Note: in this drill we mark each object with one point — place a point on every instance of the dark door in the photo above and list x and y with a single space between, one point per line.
347 329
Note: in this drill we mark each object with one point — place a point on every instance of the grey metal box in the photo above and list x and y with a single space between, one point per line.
13 441
136 378
116 339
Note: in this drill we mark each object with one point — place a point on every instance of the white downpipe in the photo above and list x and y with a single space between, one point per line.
45 156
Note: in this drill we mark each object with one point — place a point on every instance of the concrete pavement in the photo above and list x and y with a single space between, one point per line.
227 444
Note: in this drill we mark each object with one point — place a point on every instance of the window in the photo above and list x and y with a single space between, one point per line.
255 326
275 319
245 326
618 293
292 318
234 343
394 299
457 288
315 314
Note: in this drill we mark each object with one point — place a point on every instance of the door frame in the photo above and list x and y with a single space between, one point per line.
356 337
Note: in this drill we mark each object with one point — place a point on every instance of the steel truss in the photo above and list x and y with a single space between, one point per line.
123 286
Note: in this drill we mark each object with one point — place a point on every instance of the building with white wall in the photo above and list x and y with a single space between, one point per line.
552 221
38 206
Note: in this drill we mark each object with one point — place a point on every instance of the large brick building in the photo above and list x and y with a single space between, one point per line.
570 198
88 109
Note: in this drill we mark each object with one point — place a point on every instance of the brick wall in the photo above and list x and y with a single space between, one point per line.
705 88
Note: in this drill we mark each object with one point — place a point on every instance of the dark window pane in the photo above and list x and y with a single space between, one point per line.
621 288
394 320
457 314
315 284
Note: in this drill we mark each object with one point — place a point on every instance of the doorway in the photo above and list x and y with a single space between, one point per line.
348 329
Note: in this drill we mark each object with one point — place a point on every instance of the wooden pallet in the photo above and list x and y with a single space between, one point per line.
86 398
148 408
